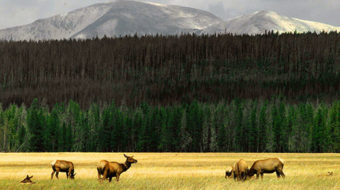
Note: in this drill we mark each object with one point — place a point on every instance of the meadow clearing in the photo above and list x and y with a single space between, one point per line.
169 171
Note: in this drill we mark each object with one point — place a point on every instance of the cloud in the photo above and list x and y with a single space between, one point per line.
217 8
19 12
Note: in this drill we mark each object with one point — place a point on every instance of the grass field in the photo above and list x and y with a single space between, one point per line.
169 171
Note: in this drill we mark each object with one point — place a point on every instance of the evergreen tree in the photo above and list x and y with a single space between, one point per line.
94 126
283 130
51 131
262 127
291 125
62 138
35 123
239 128
318 131
194 125
105 131
185 137
21 139
253 129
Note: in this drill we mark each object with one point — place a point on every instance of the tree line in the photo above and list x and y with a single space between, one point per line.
236 126
170 70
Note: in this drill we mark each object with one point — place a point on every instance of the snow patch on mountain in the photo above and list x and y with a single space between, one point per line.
261 21
120 18
117 18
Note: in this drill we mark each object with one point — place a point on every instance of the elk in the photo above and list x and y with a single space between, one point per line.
326 175
114 169
239 170
27 180
269 165
62 166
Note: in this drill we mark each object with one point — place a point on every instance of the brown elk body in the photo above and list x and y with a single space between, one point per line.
241 170
27 180
114 169
269 165
101 167
62 166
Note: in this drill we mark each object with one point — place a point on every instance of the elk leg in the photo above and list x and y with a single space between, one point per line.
52 174
57 173
105 174
69 173
99 175
66 175
257 175
243 176
117 177
110 179
277 173
261 176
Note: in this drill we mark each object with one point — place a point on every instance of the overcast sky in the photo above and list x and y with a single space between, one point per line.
19 12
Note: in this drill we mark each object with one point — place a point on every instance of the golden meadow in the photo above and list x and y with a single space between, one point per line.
170 171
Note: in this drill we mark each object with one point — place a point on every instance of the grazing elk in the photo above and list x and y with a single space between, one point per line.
62 166
269 165
114 169
239 170
27 180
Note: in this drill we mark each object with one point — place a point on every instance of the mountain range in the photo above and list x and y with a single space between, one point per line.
122 18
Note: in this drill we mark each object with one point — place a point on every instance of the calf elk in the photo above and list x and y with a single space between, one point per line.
114 169
27 180
62 166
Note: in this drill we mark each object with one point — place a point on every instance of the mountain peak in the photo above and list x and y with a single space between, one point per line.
265 20
128 17
265 12
118 18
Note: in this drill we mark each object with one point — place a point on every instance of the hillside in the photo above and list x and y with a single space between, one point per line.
115 19
262 21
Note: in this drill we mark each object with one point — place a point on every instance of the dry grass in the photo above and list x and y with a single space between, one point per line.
169 171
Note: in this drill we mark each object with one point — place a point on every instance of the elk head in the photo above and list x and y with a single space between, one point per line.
228 173
72 175
130 159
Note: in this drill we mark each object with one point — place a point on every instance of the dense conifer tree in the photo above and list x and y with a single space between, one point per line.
35 123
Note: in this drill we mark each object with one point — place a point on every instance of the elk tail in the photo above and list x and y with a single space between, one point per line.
53 162
282 160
